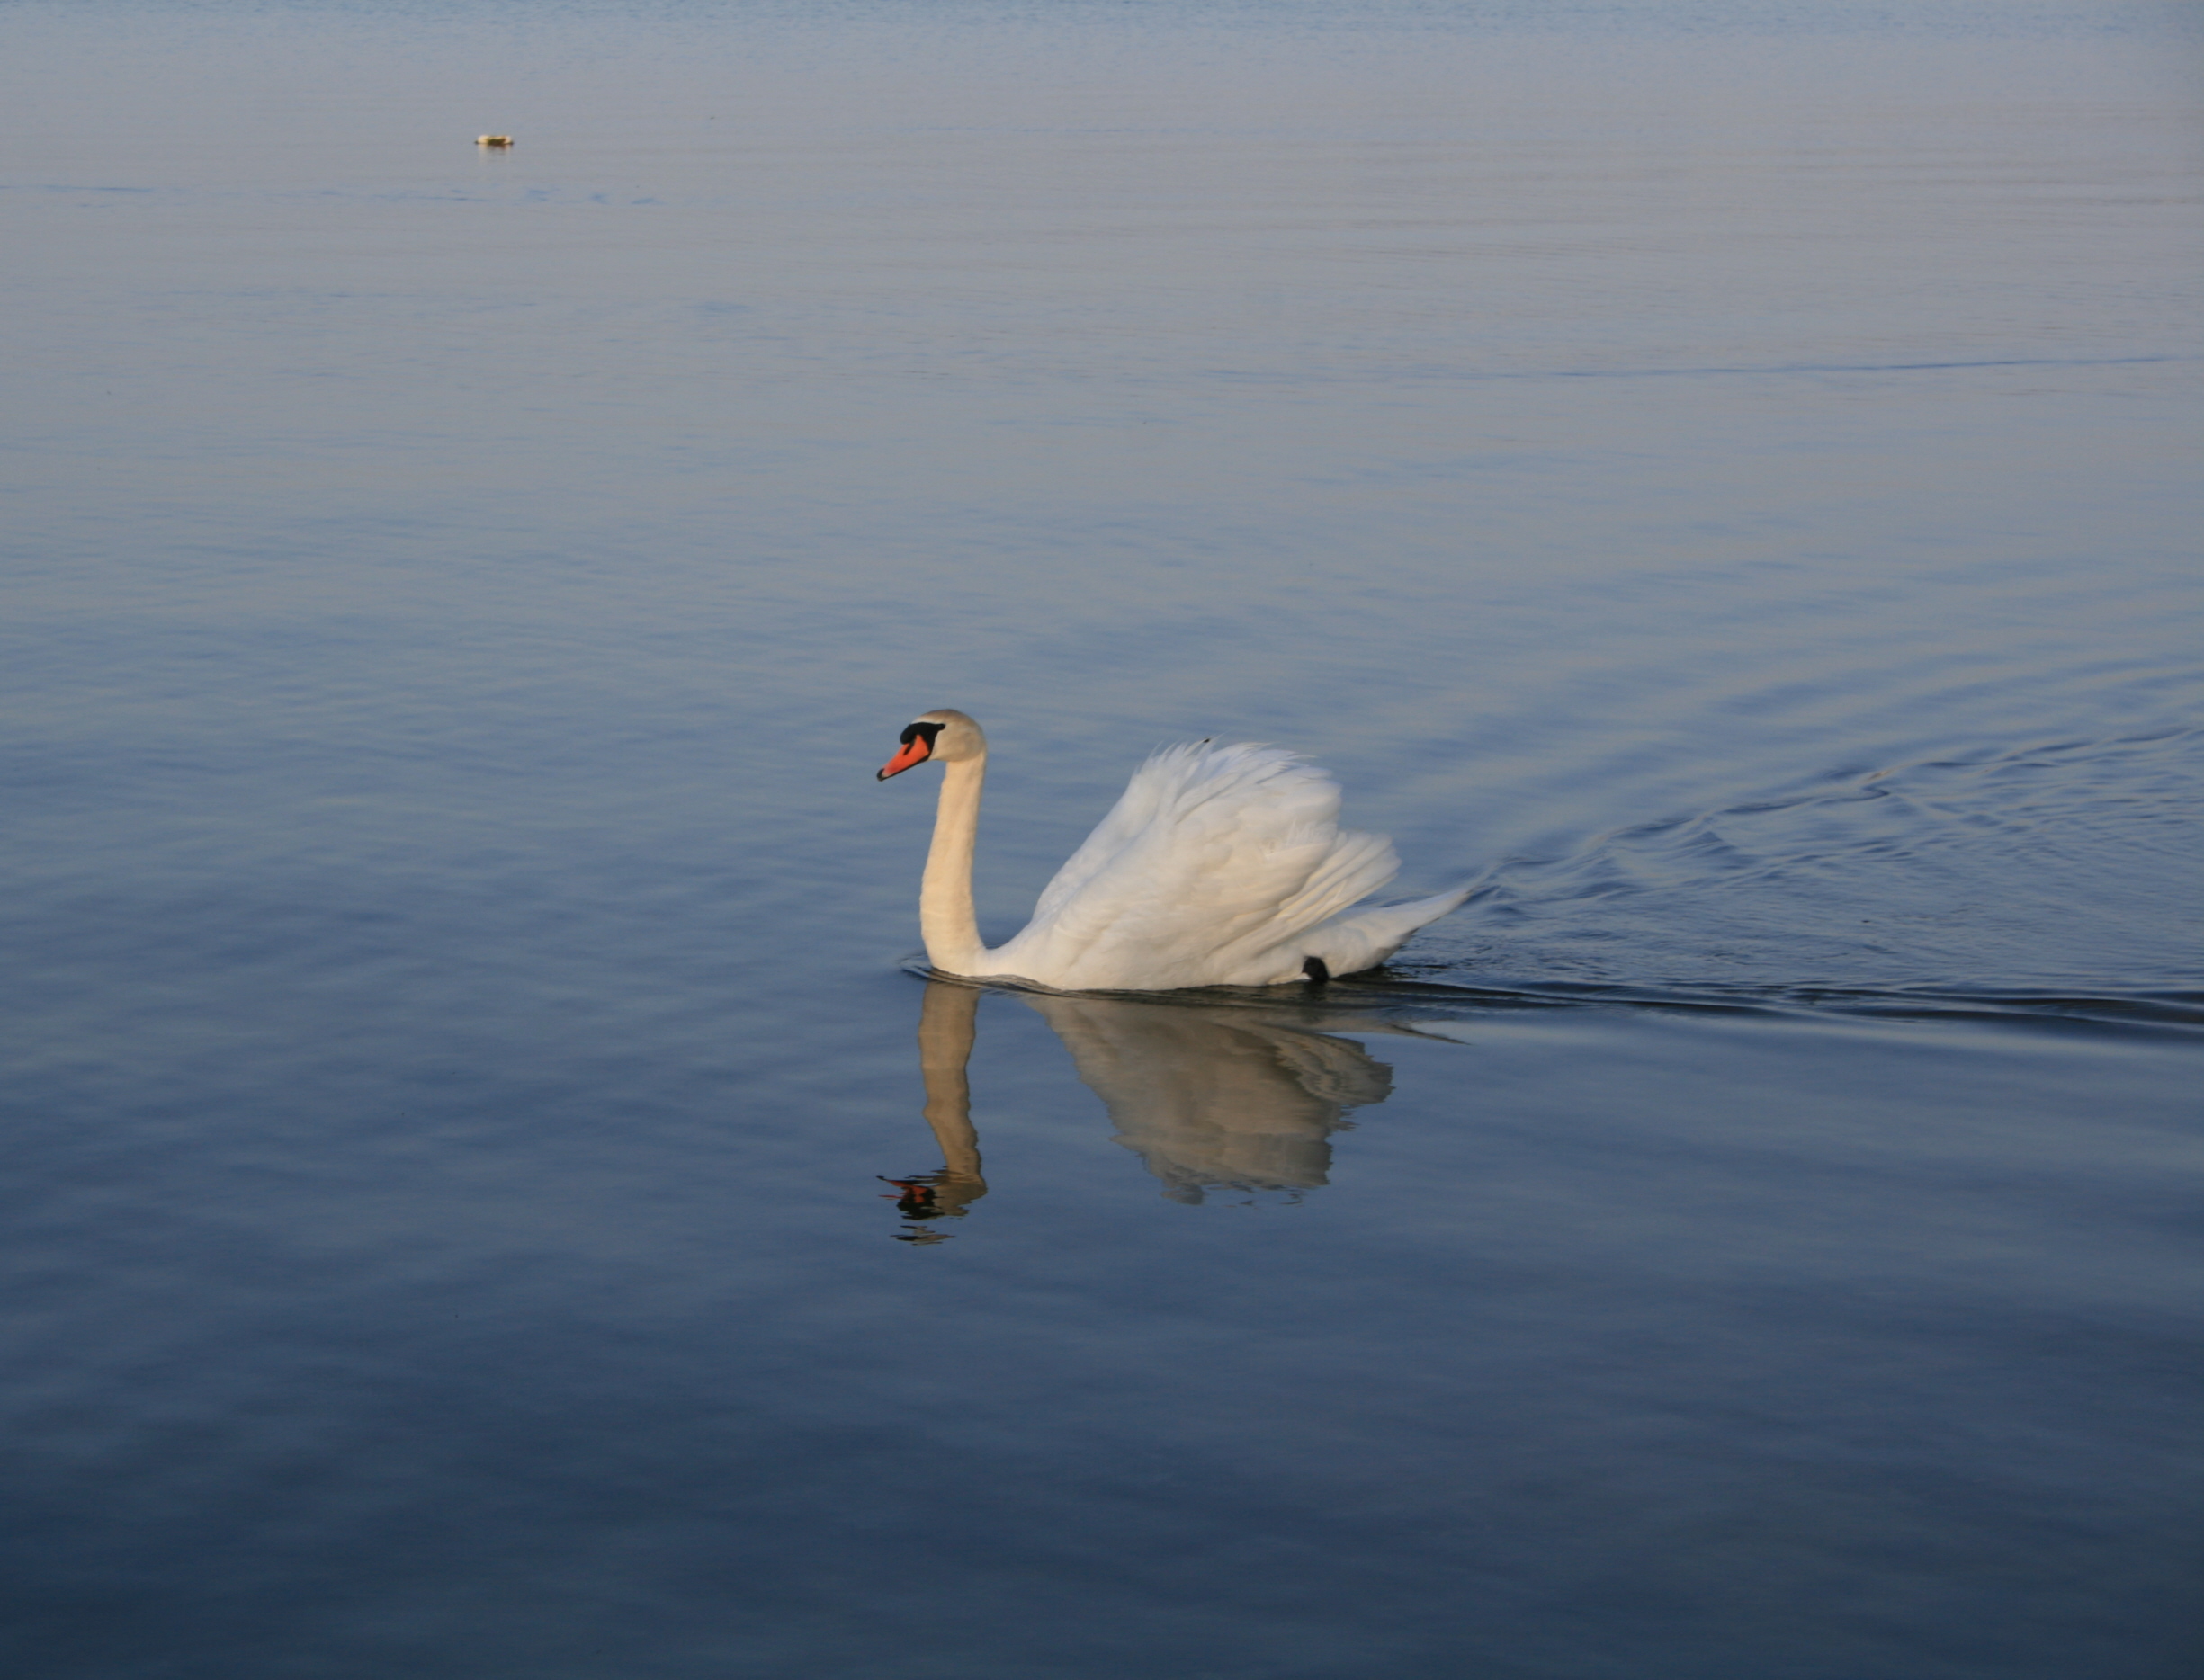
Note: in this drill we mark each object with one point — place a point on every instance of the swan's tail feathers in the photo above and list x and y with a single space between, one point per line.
1362 939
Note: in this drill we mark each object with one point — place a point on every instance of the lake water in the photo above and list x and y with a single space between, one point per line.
488 1195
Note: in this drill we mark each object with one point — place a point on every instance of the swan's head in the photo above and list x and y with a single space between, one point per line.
946 734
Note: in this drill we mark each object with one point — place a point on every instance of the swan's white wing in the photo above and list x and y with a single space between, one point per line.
1152 784
1215 862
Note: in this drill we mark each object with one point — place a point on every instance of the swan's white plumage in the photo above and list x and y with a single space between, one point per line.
1219 866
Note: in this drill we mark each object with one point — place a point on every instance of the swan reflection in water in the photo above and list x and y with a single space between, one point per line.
948 1020
1209 1096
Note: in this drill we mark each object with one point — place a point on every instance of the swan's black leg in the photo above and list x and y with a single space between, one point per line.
1313 967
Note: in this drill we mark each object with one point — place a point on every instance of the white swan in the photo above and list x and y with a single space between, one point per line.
1221 866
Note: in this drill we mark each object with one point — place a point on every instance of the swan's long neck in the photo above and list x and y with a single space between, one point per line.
946 915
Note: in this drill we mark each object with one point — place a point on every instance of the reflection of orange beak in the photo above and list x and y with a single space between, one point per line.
911 755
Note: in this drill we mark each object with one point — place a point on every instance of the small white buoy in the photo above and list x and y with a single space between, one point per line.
495 140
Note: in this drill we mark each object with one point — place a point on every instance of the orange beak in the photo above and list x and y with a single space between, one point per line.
916 753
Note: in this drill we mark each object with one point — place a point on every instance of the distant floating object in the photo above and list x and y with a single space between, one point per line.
496 142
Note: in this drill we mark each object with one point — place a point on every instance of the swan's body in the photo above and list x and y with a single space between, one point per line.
1221 866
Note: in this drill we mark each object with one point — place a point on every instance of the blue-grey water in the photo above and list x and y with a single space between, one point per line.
488 1196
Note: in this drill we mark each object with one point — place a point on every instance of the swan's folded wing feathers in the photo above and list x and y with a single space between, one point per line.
1353 866
1214 857
1136 807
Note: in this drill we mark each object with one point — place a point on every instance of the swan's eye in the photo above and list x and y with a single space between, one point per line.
930 731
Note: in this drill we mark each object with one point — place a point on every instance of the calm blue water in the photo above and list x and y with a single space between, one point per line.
488 1196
